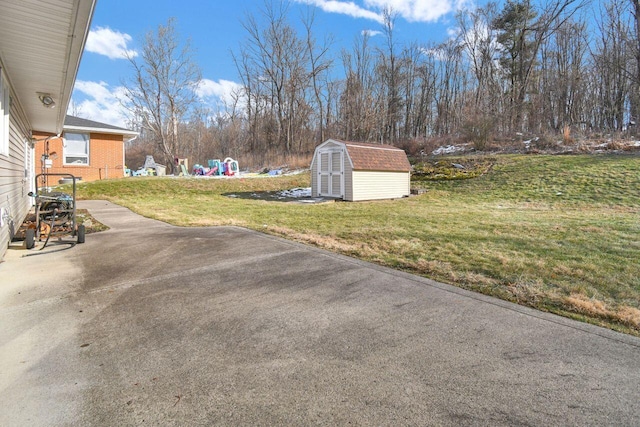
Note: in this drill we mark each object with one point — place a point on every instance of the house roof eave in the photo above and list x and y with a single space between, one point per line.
128 133
41 44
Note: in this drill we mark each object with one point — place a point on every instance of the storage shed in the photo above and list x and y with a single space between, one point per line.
357 171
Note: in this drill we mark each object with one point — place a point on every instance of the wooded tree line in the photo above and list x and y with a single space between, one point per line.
518 66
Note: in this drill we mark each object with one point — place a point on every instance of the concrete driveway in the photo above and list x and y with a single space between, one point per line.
159 325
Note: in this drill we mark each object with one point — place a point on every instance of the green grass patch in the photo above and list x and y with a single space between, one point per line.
559 233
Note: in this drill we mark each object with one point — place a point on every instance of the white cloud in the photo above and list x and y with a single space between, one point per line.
453 32
479 42
415 10
101 103
411 10
371 33
110 43
224 90
345 8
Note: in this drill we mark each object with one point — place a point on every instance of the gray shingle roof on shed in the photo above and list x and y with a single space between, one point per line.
377 157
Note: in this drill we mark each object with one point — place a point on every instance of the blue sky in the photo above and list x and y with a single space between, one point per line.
215 30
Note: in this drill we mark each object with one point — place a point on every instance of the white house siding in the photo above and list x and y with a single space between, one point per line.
14 179
380 185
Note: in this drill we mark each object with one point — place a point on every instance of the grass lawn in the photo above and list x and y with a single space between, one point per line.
559 233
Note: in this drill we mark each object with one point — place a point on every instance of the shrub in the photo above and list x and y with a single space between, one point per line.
478 129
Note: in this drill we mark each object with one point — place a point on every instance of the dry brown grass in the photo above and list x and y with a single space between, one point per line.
326 242
566 135
276 160
629 316
583 147
430 144
616 145
528 292
592 307
585 305
478 279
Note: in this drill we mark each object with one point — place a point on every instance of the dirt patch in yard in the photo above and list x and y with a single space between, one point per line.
296 195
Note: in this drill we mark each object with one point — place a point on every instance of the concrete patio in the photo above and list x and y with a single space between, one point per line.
149 323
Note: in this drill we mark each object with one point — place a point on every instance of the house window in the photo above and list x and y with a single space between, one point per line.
4 115
76 149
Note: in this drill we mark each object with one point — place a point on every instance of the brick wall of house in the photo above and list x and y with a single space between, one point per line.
106 154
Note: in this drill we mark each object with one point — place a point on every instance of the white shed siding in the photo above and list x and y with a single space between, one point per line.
14 179
314 176
328 157
331 144
380 185
348 179
366 171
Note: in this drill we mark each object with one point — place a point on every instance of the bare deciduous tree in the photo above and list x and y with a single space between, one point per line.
319 64
519 66
635 102
162 91
522 30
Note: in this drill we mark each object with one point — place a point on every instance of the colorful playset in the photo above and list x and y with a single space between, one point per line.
227 167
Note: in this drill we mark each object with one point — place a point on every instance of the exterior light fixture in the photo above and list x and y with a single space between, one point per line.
46 100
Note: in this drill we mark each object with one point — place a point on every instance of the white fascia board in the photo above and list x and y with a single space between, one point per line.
129 133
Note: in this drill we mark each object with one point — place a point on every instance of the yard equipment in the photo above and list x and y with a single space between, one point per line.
55 214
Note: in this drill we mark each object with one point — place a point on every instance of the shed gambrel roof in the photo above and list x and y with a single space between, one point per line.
377 157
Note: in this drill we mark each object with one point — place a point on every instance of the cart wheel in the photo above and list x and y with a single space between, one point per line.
30 238
81 232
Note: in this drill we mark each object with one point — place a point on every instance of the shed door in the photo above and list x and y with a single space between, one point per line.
331 173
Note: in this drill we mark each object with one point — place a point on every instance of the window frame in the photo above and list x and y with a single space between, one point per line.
66 154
